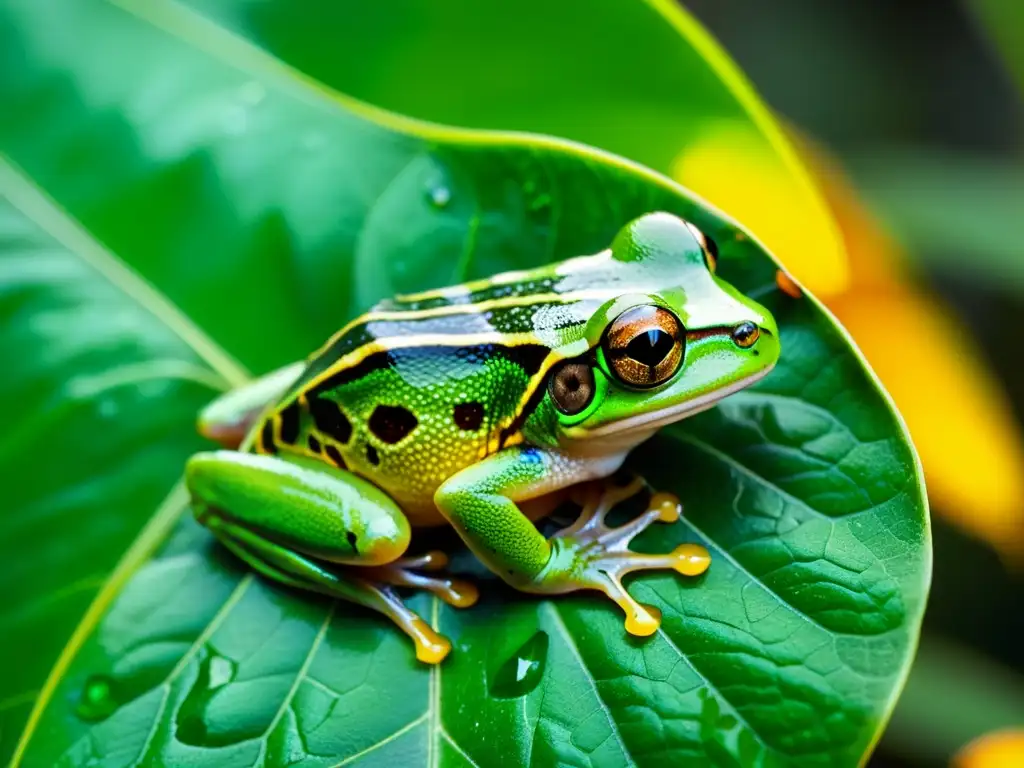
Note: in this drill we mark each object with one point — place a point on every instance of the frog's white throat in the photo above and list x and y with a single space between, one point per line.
638 428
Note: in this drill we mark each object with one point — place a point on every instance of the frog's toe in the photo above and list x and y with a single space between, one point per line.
641 620
600 556
604 571
431 648
458 593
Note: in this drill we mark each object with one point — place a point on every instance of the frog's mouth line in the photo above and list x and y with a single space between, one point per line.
658 419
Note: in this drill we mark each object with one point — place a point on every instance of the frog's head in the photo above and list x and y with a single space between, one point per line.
661 355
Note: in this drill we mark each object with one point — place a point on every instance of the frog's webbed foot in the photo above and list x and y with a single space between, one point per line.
403 573
590 555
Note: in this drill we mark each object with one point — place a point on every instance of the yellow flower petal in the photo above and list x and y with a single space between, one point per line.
958 417
874 257
730 165
1000 749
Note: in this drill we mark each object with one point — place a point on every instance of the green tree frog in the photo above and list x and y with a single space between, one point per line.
483 406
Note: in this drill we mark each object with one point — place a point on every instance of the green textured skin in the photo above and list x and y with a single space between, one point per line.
428 386
480 509
324 512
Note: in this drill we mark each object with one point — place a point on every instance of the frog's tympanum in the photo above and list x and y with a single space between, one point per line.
483 406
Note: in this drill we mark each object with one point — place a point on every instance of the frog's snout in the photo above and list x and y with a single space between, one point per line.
762 342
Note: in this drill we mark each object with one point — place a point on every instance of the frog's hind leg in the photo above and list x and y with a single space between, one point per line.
228 419
300 572
296 520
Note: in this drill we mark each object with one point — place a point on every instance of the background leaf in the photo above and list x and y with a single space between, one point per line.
205 149
931 722
950 210
640 78
1003 22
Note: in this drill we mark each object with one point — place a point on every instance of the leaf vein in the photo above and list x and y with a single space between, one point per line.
570 641
383 742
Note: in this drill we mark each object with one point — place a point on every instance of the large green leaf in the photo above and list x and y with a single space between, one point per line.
267 210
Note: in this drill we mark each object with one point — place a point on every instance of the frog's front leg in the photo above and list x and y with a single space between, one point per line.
480 503
292 519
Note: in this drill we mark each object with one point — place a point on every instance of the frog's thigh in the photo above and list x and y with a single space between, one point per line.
228 419
480 503
299 505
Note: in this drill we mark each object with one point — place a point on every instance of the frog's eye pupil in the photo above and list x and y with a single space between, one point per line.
650 347
644 346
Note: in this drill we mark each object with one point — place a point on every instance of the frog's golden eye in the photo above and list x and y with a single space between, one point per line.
745 334
572 386
644 346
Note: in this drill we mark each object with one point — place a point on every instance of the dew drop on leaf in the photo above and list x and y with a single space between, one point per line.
222 671
194 724
523 670
98 700
540 202
439 195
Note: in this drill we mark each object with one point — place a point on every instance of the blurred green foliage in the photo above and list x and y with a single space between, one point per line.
958 214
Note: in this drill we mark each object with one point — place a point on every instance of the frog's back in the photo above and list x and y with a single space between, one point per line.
425 385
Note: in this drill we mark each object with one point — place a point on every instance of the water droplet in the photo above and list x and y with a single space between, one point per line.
539 202
98 700
439 195
524 670
222 672
194 725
